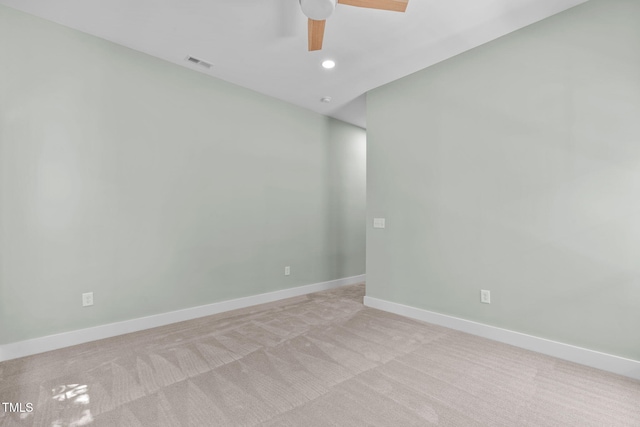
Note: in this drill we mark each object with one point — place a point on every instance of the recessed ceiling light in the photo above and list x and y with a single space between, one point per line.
325 99
328 64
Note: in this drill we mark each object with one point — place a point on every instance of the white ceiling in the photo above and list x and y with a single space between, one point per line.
262 44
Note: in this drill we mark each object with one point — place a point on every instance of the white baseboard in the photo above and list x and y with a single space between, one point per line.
595 359
67 339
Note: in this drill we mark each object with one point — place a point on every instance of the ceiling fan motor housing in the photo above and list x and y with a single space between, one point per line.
318 10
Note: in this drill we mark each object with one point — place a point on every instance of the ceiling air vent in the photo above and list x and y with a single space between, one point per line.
199 62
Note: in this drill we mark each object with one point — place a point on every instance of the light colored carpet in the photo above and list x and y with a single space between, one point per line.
321 359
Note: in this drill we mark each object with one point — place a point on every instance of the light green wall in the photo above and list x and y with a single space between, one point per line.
156 187
515 167
346 205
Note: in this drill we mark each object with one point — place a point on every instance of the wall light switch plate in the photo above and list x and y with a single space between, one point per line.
87 299
287 270
485 296
378 223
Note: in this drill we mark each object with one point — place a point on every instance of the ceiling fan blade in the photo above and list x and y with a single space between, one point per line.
316 34
394 5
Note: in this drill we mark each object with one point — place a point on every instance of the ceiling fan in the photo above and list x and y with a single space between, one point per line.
319 10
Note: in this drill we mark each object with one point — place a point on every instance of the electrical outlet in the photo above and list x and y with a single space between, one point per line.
485 296
87 299
287 270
